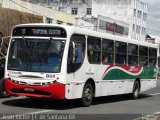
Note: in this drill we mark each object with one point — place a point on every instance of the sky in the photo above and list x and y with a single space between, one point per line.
153 22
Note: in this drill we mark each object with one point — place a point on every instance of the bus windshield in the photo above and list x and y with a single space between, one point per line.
35 55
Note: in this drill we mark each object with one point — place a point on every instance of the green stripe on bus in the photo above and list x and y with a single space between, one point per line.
117 74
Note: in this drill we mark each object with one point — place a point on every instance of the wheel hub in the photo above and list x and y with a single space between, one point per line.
88 94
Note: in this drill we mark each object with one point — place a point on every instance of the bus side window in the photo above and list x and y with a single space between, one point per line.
105 59
143 56
107 51
90 56
121 53
94 50
132 54
152 57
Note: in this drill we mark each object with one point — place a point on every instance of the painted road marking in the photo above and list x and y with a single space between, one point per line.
38 112
154 94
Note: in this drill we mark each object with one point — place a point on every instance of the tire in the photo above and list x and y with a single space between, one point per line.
87 95
3 93
136 90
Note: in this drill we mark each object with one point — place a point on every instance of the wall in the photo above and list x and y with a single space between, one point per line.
40 10
112 9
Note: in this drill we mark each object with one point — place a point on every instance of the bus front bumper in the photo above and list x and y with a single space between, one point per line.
55 91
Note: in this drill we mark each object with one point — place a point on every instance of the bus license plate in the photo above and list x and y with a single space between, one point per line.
29 89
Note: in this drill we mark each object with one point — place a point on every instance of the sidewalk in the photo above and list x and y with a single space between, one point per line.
155 116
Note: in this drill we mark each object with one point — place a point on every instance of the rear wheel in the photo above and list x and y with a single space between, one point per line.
87 95
136 90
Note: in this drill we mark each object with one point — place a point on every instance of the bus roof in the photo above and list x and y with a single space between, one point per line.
87 32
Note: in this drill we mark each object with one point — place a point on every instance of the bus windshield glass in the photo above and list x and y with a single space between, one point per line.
36 55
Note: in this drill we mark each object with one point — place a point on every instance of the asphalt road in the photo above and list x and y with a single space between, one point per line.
119 107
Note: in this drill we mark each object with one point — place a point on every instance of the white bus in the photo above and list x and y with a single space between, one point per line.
65 62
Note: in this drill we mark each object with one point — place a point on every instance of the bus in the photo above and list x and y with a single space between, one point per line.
66 62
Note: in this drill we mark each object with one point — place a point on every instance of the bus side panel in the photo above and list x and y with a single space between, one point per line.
74 90
78 80
97 89
116 87
147 84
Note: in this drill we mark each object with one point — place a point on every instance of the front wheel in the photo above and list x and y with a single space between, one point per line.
87 95
136 90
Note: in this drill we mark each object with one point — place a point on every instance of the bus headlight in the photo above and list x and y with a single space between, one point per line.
49 83
14 81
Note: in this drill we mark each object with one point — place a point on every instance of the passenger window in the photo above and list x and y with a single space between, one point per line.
143 56
76 53
152 57
107 51
94 50
120 53
132 54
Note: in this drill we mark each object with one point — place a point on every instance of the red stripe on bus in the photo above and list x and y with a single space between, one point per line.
55 91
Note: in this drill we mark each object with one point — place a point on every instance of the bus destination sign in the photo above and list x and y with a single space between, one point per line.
39 31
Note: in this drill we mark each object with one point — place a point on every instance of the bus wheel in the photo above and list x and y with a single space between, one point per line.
87 95
136 90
